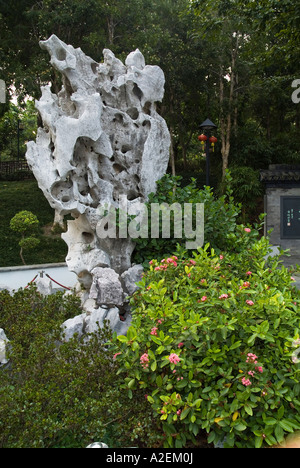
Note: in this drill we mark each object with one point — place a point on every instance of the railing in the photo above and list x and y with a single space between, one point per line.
15 170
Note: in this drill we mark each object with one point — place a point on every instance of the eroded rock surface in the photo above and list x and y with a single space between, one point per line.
101 138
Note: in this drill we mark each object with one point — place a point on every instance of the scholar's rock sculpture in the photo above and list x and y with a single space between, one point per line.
101 139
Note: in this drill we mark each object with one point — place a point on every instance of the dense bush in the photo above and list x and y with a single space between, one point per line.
58 394
220 215
212 345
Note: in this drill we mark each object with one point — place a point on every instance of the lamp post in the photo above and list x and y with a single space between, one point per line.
207 126
19 130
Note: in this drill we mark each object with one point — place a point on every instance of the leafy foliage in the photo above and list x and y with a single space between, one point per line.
57 394
220 213
211 345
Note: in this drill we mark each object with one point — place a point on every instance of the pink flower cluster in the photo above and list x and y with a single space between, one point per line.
251 359
246 284
250 303
165 263
223 296
246 382
247 230
144 359
174 358
154 331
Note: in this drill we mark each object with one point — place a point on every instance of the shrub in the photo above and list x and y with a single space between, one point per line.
220 215
211 345
58 394
25 223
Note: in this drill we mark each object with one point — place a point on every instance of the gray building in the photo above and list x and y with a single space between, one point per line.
282 205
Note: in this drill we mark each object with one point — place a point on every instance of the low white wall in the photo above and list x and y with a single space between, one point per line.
19 277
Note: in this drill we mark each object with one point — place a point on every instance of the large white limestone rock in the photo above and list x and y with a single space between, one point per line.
101 139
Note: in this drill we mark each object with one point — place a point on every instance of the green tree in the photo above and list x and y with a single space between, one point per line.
25 223
17 126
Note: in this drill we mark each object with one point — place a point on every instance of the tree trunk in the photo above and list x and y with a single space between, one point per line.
226 115
21 252
172 157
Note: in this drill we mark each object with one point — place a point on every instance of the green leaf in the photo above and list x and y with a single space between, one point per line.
159 381
280 412
153 366
279 433
240 427
123 338
211 437
235 345
248 410
270 421
131 333
184 413
258 441
160 349
155 339
131 383
287 425
252 338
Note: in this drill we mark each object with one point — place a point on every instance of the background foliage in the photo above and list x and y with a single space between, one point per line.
232 61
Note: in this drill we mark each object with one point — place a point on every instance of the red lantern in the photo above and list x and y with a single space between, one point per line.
213 140
202 137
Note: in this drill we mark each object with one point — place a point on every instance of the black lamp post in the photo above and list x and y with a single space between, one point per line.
19 130
207 126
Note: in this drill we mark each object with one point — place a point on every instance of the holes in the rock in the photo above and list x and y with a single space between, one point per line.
118 118
125 148
61 54
67 85
137 91
94 67
146 123
85 278
63 191
132 195
118 168
133 113
147 108
51 146
87 237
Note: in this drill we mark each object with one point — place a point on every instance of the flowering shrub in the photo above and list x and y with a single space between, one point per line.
211 345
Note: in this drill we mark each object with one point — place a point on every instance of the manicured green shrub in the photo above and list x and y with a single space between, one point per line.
55 394
212 345
25 223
